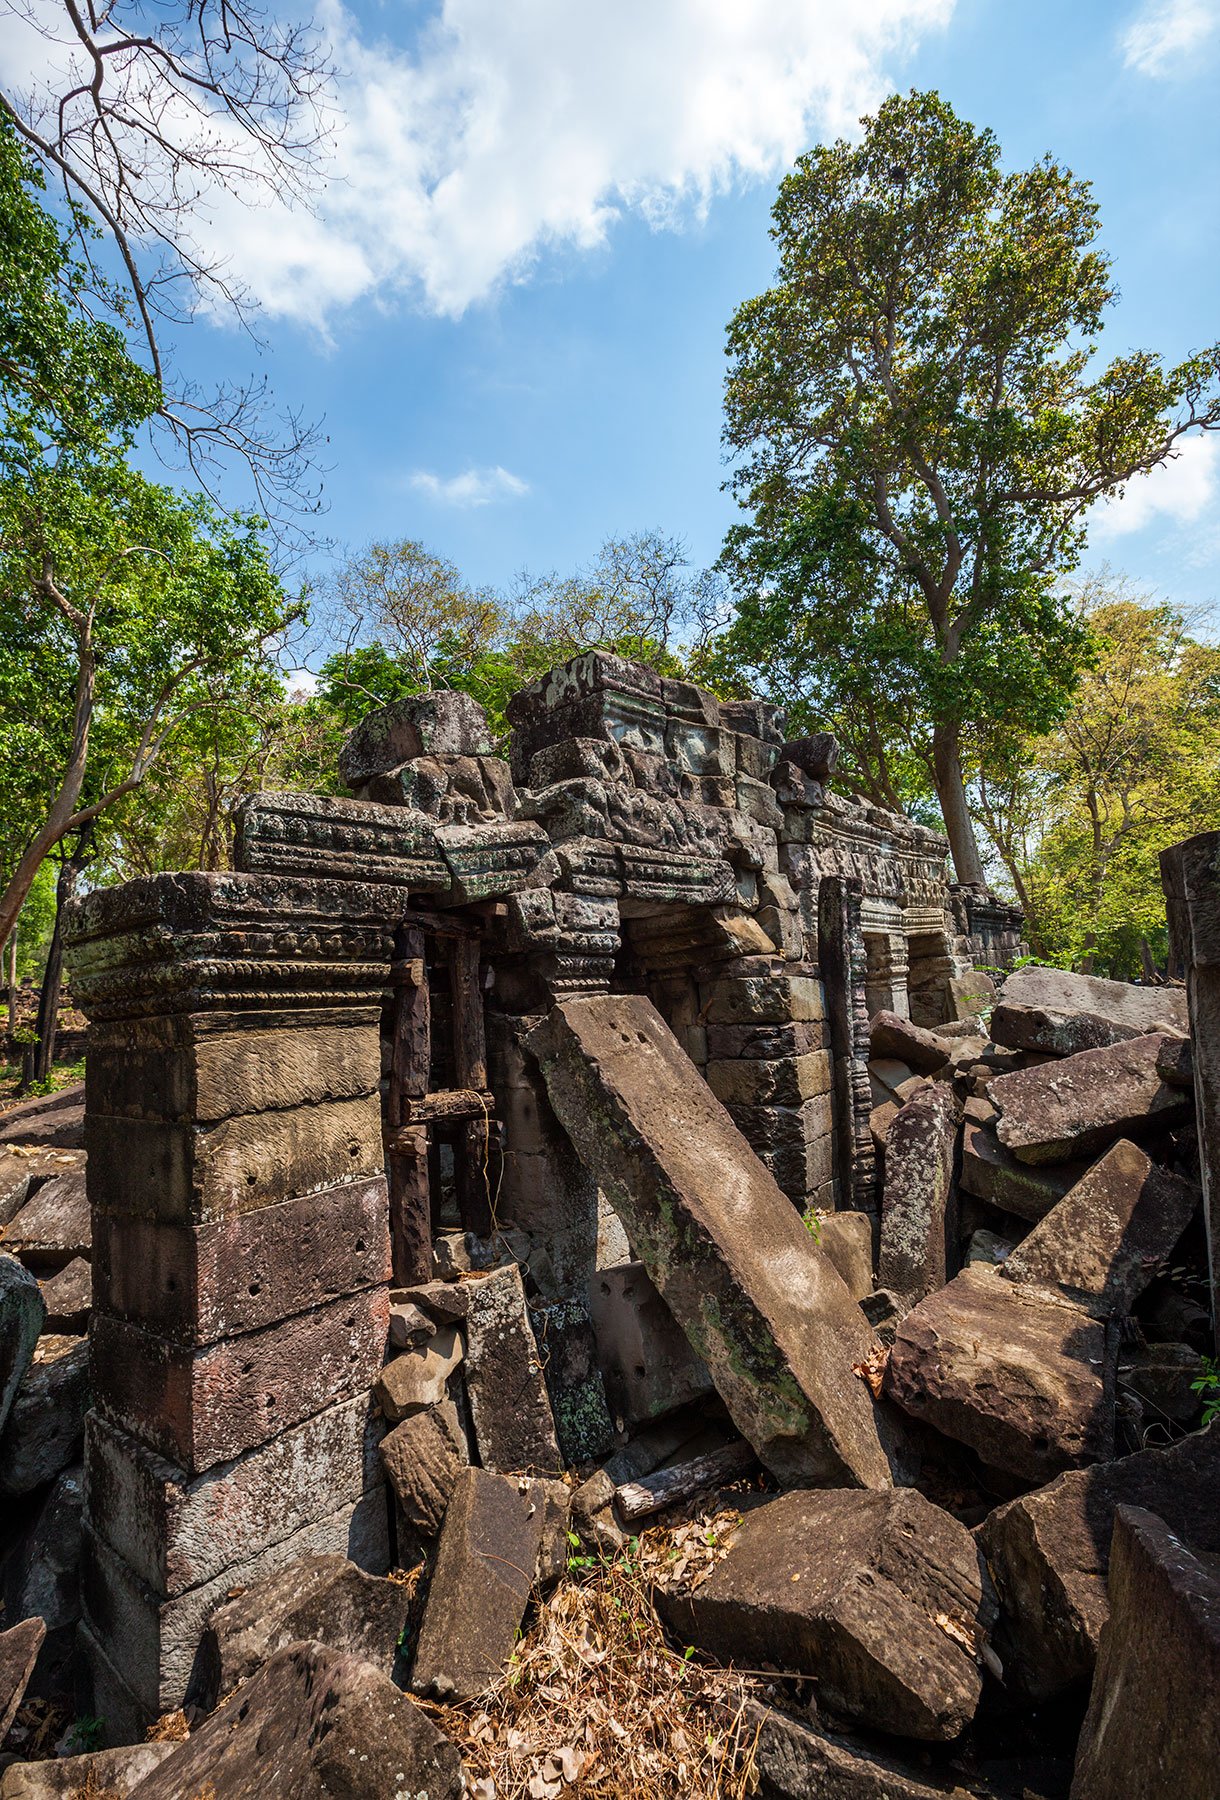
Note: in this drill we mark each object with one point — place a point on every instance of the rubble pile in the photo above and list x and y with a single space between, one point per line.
588 1288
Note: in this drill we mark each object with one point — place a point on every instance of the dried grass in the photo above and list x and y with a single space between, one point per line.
596 1704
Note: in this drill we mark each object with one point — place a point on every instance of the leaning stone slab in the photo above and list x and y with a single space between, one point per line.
67 1777
918 1210
19 1649
514 1426
1024 1378
921 1050
847 1239
878 1597
798 1761
21 1316
1101 1244
1081 1104
992 1173
68 1297
313 1721
485 1565
1049 1553
1060 992
53 1225
422 1459
766 1310
1153 1726
1051 1034
41 1578
47 1417
325 1599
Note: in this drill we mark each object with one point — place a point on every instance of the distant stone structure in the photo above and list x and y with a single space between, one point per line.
300 1073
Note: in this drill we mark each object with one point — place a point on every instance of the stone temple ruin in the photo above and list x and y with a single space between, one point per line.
473 1132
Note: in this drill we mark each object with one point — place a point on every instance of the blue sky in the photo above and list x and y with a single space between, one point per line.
511 303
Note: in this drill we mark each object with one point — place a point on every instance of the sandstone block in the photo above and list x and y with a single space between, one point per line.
970 995
1024 1378
876 1596
1053 1034
68 1297
19 1649
847 1239
990 1172
765 1309
1101 1244
53 1120
921 1050
1153 1728
423 1458
796 1761
563 1331
484 1570
1059 992
443 723
767 1042
419 1377
53 1225
99 1772
21 1318
769 996
647 1363
47 1417
1049 1553
918 1207
514 1426
750 1081
41 1578
203 1407
1079 1105
312 1721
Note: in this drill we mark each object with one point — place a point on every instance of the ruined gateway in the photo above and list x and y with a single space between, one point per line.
482 1118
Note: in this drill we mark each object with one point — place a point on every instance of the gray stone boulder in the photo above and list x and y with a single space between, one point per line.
1051 1034
101 1773
918 1211
510 1408
1064 994
423 1458
21 1317
647 1363
921 1050
46 1423
1078 1106
53 1226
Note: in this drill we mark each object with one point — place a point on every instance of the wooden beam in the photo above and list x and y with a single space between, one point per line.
668 1487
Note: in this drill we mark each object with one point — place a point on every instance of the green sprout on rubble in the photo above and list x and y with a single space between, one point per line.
1207 1386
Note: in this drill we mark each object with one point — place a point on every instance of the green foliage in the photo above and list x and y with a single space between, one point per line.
1208 1388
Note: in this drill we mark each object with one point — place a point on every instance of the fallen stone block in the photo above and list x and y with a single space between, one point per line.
47 1418
21 1319
1081 1104
485 1565
1153 1727
419 1378
323 1599
410 1325
1059 992
1053 1034
918 1210
880 1598
447 1302
101 1773
1024 1378
765 1309
56 1120
1175 1062
313 1721
988 1247
514 1426
647 1364
1049 1553
798 1761
919 1049
53 1226
970 995
68 1297
563 1331
992 1173
847 1239
423 1458
19 1649
893 1078
1162 1378
41 1578
1101 1244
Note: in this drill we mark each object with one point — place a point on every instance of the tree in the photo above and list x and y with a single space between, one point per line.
921 430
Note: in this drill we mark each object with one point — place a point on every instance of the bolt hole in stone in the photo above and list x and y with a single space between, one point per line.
250 1180
640 1371
171 1284
256 1287
360 1245
270 1401
246 1368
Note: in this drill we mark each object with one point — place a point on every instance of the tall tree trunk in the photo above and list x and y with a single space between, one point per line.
12 981
951 792
52 979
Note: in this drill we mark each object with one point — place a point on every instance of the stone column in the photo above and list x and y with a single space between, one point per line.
842 962
1190 876
241 1253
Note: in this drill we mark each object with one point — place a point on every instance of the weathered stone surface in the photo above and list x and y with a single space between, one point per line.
563 1330
176 1532
56 1120
47 1417
970 995
53 1225
1024 1378
197 1283
21 1319
990 1172
419 1378
754 1081
423 1458
484 1570
19 1649
320 1599
101 1772
1153 1727
647 1362
988 1247
729 1254
1059 992
795 1761
1101 1244
1049 1553
1163 1378
847 1239
766 1042
514 1426
443 723
410 1325
921 1050
1052 1034
870 1594
1175 1062
765 996
313 1721
447 1302
918 1206
41 1579
1079 1105
68 1296
200 1408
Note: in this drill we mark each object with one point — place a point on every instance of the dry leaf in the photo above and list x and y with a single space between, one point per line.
872 1369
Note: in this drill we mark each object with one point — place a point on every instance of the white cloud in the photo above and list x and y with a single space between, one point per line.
1165 33
473 487
1182 491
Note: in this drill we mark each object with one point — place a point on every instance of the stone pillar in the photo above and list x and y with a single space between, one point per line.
887 968
842 964
241 1253
1190 876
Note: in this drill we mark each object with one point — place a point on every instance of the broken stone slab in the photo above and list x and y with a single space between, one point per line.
419 1378
969 995
1176 1063
1060 992
510 1410
1153 1726
443 723
47 1418
68 1297
485 1565
1101 1244
992 1173
1163 1378
797 1761
423 1458
765 1309
881 1599
1052 1034
647 1364
918 1210
41 1578
920 1049
1081 1104
21 1319
19 1649
447 1302
563 1331
1049 1553
100 1772
1023 1377
323 1599
55 1120
410 1325
313 1721
847 1239
893 1078
53 1226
